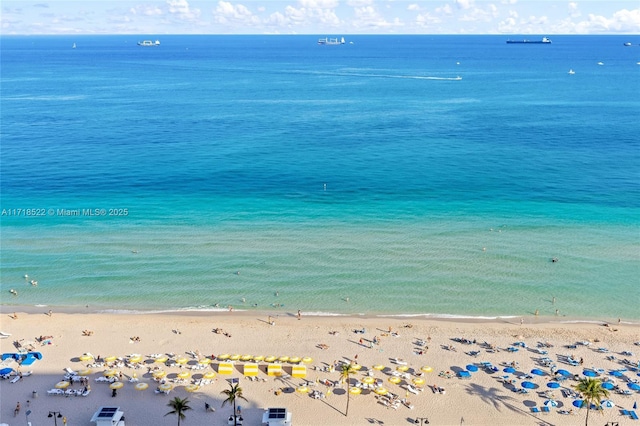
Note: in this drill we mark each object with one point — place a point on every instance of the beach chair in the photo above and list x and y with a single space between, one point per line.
535 410
464 375
633 415
546 410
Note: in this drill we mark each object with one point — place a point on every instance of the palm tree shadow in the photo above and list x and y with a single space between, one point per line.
495 397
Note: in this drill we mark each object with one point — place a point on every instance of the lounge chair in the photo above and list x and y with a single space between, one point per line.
633 415
535 410
546 410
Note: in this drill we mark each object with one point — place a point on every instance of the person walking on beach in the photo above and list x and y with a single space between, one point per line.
299 314
17 410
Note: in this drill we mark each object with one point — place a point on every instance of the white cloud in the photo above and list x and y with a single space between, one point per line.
622 21
413 7
445 10
574 12
226 13
146 10
182 9
319 4
464 4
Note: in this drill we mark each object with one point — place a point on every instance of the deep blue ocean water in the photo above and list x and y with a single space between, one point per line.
251 166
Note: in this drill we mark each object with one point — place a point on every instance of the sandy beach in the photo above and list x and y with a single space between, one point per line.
447 346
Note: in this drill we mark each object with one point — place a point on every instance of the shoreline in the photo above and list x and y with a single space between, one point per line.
530 319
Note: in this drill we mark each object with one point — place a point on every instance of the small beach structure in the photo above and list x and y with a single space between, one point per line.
276 417
225 368
299 371
108 416
274 370
250 370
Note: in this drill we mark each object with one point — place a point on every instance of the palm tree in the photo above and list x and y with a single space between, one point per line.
592 393
346 370
179 407
233 393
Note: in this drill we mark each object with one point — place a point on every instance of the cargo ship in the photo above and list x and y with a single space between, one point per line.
544 40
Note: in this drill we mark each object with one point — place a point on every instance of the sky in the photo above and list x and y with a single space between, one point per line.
324 17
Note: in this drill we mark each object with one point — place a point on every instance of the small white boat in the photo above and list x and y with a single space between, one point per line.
148 43
571 72
74 46
600 63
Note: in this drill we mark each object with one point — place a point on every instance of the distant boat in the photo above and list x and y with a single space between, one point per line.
627 44
572 72
331 41
544 40
149 43
600 63
74 46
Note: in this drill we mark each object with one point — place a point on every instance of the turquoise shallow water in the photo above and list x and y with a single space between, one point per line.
250 166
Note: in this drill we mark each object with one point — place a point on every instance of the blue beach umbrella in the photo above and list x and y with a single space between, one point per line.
607 385
564 373
553 385
616 373
589 373
551 403
472 368
529 385
578 403
509 370
537 372
634 386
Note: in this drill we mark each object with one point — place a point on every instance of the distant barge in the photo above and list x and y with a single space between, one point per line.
544 40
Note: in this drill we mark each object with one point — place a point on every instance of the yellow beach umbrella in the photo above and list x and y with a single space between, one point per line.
110 358
307 360
184 374
270 358
378 367
209 375
295 359
258 358
109 373
369 380
395 380
116 385
161 359
62 385
223 357
84 372
302 389
135 359
402 368
355 391
356 367
165 387
283 358
246 358
182 360
381 391
418 381
191 388
159 374
204 361
234 357
141 386
426 369
86 357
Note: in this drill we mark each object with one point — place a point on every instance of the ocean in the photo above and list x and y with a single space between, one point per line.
391 175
